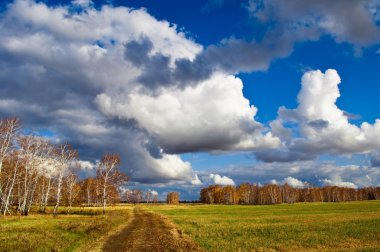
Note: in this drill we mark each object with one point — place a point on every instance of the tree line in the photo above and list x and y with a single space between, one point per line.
135 196
34 171
252 194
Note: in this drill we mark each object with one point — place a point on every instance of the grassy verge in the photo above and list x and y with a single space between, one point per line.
76 231
352 226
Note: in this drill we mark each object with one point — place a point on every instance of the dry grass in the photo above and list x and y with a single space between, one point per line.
77 231
352 226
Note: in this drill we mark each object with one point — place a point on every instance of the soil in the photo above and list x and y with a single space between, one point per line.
149 232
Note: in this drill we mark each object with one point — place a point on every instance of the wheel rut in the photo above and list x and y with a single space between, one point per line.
149 232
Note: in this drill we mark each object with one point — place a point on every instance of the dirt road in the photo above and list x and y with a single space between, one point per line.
149 232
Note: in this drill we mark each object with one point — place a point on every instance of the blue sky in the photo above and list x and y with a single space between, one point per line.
169 85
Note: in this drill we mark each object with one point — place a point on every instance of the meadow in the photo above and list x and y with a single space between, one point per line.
78 231
348 226
345 226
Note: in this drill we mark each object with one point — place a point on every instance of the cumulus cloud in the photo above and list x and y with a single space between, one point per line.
86 165
296 183
273 182
184 120
319 126
329 182
153 192
293 182
196 181
221 180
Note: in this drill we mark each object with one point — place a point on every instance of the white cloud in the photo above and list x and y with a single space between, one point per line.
189 119
328 182
196 181
119 24
294 182
165 168
322 126
273 182
221 180
153 192
86 165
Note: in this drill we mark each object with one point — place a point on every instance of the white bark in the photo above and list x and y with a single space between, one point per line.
59 183
64 155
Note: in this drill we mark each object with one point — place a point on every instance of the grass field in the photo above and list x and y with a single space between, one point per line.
77 231
351 226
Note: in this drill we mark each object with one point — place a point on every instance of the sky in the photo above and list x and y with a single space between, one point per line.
194 93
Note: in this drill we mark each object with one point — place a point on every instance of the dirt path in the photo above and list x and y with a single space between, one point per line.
149 232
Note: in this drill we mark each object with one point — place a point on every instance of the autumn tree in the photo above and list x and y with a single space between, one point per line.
35 172
155 197
230 195
11 172
88 190
109 176
9 128
65 156
276 194
34 151
71 190
151 196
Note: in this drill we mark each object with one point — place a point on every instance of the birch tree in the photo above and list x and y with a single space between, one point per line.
33 152
65 156
71 186
108 175
9 128
49 170
12 176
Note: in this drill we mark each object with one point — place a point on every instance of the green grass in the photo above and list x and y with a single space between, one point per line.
76 231
351 226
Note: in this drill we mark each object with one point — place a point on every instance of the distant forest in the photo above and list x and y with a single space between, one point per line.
252 194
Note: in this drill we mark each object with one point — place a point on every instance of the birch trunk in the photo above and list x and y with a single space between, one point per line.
55 212
7 200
